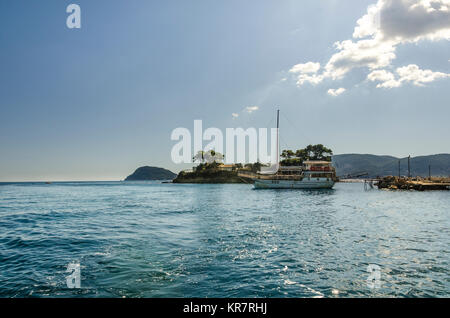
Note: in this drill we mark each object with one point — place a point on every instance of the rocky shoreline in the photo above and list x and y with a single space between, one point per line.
418 184
209 177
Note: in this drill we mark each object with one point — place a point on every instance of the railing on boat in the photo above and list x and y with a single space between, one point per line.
253 175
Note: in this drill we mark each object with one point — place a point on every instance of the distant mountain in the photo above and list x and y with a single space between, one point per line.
151 173
354 164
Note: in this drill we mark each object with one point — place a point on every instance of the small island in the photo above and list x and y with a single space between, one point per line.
212 170
216 173
147 173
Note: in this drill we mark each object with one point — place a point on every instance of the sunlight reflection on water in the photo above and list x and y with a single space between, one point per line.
173 240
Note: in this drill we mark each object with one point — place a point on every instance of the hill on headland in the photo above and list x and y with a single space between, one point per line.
151 173
354 164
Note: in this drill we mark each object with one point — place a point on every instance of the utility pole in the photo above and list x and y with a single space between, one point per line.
399 168
429 172
409 166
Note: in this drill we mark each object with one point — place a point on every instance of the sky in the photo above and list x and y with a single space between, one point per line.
95 103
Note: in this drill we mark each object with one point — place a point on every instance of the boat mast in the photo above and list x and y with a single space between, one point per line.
278 136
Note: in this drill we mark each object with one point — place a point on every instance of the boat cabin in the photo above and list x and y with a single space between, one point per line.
316 165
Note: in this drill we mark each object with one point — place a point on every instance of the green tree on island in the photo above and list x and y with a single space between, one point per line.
288 154
311 152
209 156
213 156
200 157
319 152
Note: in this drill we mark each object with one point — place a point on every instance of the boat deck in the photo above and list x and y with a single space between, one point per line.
252 175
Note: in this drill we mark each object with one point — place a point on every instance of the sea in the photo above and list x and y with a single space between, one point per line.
153 239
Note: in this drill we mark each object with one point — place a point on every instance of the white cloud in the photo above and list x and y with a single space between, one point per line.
381 75
414 20
336 92
406 20
370 22
307 73
309 67
412 73
251 109
409 74
312 79
365 53
387 24
386 78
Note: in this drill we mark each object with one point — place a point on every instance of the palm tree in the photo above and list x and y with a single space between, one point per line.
213 156
200 157
287 154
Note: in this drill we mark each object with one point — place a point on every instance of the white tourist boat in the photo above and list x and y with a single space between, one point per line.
313 174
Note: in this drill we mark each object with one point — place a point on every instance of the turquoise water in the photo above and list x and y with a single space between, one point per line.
175 240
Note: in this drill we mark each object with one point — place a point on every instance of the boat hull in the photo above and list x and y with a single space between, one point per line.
293 184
